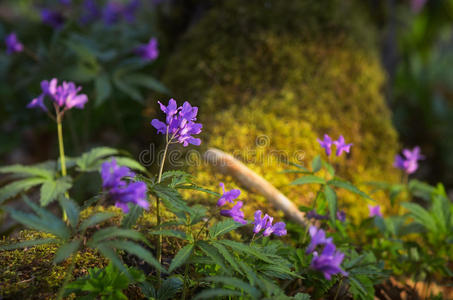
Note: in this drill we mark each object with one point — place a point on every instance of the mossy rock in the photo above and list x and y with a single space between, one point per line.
271 76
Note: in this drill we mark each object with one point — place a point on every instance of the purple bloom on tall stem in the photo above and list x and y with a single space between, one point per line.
52 18
266 224
65 96
228 196
13 45
318 237
235 213
148 51
121 191
341 215
375 211
328 262
409 161
260 222
342 146
326 144
180 125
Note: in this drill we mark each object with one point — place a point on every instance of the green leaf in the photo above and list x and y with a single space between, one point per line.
14 188
301 296
212 252
72 210
29 171
88 161
237 283
228 257
316 164
246 249
109 253
137 250
171 199
330 169
51 190
170 232
181 257
115 232
27 244
132 216
421 216
127 88
223 227
147 81
216 293
331 198
170 287
308 179
130 163
348 186
96 219
103 88
66 250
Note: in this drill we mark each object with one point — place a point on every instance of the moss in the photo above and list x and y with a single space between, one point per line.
283 73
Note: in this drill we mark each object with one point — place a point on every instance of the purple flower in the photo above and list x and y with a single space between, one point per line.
266 224
417 5
112 174
13 45
228 196
326 144
318 237
148 51
119 190
91 12
409 161
235 213
341 215
328 262
180 125
130 10
112 12
52 18
375 211
342 146
66 95
312 214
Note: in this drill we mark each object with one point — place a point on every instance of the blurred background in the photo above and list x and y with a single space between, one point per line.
94 43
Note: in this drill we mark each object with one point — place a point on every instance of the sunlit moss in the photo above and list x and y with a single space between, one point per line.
286 72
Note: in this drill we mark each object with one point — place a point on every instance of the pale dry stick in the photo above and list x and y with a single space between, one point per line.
227 164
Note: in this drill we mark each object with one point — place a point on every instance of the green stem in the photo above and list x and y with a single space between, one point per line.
61 145
338 289
66 279
159 221
186 277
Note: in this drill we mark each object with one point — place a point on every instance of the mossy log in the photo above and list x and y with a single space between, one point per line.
271 76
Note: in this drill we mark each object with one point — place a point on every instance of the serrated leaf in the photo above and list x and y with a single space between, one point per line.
171 199
130 163
309 179
237 283
137 250
51 190
103 88
316 164
30 171
66 250
331 198
170 287
14 188
348 186
170 232
330 169
223 227
246 249
26 244
181 257
87 162
127 88
115 232
109 253
147 81
130 219
96 219
421 216
228 257
212 252
72 210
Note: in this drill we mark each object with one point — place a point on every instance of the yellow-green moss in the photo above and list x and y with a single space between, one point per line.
285 73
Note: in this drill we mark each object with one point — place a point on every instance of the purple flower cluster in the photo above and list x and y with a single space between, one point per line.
148 51
340 144
120 191
329 261
235 212
13 45
265 223
53 18
115 11
312 214
65 96
180 123
409 161
375 211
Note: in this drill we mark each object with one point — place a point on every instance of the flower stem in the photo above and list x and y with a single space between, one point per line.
61 145
66 279
159 221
